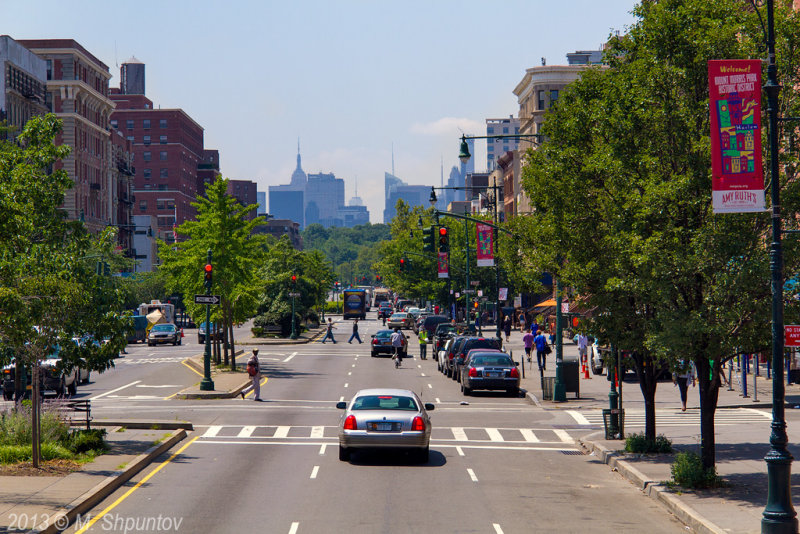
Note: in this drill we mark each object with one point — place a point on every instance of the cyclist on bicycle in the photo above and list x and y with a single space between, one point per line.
397 345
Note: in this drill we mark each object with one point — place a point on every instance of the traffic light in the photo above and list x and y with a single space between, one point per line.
294 280
443 244
378 278
475 304
427 239
207 280
402 264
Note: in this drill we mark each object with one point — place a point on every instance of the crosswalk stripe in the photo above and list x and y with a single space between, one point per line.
562 434
528 434
317 431
494 434
246 432
459 434
281 432
212 431
579 418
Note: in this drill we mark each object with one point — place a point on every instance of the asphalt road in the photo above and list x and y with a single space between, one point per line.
497 464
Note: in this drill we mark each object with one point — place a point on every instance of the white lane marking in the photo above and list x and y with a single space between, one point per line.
430 386
494 434
293 529
563 436
346 384
314 471
472 475
459 434
292 355
161 386
438 401
419 366
460 451
349 373
438 446
497 528
114 390
281 432
579 418
212 431
354 365
341 399
322 449
317 431
423 374
246 432
529 436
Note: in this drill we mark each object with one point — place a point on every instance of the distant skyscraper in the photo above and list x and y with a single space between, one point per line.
497 147
262 202
396 189
324 197
288 201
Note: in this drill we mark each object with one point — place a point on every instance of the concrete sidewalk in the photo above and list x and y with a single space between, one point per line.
740 448
49 504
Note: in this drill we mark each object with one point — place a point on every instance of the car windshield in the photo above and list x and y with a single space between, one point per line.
504 361
163 328
385 402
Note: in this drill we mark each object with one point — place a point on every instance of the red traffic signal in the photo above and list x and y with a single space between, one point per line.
208 268
294 278
207 277
443 231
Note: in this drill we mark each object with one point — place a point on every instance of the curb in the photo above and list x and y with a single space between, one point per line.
145 425
64 517
652 488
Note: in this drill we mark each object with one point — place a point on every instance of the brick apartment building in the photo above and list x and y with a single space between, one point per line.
22 85
244 191
168 150
78 93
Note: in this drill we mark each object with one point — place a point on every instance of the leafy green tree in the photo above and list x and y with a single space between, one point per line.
622 192
222 227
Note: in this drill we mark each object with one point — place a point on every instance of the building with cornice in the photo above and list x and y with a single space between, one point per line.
22 86
288 201
78 93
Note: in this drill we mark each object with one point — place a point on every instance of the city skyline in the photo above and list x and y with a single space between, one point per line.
359 82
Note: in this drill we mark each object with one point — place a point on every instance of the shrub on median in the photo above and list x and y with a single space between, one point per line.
638 443
687 471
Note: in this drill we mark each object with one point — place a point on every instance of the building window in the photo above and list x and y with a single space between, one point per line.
165 203
540 94
147 156
162 139
489 148
165 173
516 130
162 123
49 69
129 124
490 130
130 138
553 96
505 148
146 139
147 173
505 130
162 155
142 205
146 124
114 123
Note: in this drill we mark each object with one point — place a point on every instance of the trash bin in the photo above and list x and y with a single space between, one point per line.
614 423
571 377
548 382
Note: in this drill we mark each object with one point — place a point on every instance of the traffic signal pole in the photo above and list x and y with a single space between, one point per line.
206 384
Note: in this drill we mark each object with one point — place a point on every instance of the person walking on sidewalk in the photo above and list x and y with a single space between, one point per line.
507 327
355 332
329 332
681 379
423 344
527 341
254 371
542 350
522 321
583 346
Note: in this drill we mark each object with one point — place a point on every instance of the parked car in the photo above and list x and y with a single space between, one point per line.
447 365
216 334
442 333
164 333
382 343
385 419
432 322
469 344
53 378
489 370
400 320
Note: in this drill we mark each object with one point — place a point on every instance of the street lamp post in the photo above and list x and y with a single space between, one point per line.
206 384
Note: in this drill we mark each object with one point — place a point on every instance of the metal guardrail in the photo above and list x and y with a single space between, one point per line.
68 410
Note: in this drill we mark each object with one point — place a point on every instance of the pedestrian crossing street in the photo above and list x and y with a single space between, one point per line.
465 435
675 417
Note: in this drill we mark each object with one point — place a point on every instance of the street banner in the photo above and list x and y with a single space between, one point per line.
503 293
791 336
442 265
737 179
485 241
518 301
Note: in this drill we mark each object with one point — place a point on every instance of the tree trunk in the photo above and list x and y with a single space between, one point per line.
709 394
225 336
645 371
233 345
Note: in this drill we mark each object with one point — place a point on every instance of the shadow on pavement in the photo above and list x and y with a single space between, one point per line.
378 458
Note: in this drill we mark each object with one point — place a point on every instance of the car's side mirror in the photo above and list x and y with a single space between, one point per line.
430 407
341 405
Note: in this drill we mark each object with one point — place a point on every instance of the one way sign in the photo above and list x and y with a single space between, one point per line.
206 299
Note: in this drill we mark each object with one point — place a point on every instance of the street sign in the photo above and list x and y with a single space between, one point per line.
468 291
474 282
792 335
207 299
565 307
294 294
480 292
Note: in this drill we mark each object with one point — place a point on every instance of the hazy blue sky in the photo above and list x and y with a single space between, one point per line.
349 78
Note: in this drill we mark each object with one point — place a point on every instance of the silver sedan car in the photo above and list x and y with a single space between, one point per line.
385 418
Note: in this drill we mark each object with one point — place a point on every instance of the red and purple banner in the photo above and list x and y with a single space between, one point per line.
442 265
737 179
485 241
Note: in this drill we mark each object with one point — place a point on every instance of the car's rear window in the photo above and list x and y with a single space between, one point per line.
163 328
385 402
492 360
383 334
399 315
481 344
